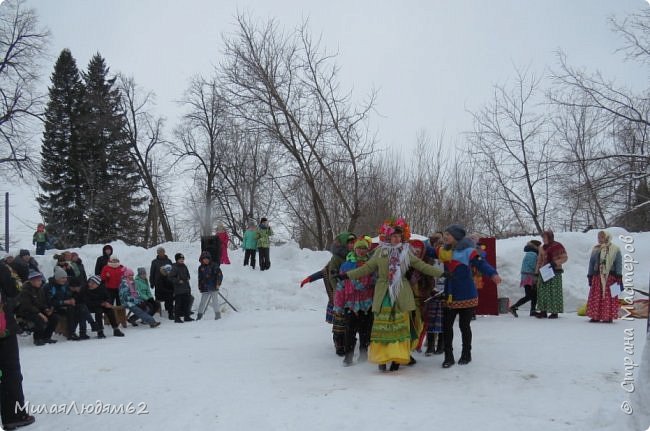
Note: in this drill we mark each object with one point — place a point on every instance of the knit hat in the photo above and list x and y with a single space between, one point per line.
142 271
95 279
128 272
263 219
114 259
457 231
362 243
60 272
178 256
24 252
160 250
34 274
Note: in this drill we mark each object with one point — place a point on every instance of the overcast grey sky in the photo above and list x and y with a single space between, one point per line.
430 60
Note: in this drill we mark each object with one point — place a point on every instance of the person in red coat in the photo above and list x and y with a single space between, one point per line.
111 276
224 239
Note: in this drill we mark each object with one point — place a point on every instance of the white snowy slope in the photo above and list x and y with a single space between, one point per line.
272 364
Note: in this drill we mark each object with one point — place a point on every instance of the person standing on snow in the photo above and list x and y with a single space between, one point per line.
249 245
224 239
264 233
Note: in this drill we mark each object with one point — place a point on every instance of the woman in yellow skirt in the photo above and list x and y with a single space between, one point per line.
392 332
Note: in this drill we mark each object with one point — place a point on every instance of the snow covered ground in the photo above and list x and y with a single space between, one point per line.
272 365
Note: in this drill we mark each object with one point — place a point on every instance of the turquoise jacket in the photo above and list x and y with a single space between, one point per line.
250 240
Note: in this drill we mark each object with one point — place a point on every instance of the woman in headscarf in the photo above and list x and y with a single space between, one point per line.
393 301
605 270
549 292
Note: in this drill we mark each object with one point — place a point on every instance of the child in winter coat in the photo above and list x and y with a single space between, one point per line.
210 278
250 245
40 239
353 299
112 275
97 300
528 278
144 291
180 278
131 302
264 233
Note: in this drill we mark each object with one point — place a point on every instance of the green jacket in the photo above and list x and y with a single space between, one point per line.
379 263
263 237
142 287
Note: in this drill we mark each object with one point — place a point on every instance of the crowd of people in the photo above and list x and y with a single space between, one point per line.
399 293
395 296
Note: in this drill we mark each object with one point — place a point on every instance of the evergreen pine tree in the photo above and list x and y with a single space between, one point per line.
62 199
114 207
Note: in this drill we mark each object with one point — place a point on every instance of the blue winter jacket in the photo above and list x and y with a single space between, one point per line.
529 263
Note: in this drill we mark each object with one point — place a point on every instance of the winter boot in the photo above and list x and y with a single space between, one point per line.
552 316
73 337
465 357
217 316
394 366
132 320
178 320
363 354
171 315
83 335
39 342
348 360
154 324
513 311
100 334
412 361
541 315
188 319
431 344
117 332
199 316
382 367
449 360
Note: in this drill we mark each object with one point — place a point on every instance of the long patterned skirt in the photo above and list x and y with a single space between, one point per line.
391 337
601 305
549 295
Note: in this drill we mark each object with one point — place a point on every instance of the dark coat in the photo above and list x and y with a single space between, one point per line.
180 278
155 276
95 297
8 294
57 293
103 259
31 301
210 277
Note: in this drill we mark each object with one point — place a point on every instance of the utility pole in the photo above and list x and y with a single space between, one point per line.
7 222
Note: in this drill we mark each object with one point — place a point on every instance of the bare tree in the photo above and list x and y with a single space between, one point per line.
287 86
511 144
201 140
22 44
143 132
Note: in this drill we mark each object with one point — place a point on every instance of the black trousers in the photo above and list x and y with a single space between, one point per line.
43 330
361 323
465 318
11 382
265 258
249 254
114 296
531 295
99 317
183 305
83 316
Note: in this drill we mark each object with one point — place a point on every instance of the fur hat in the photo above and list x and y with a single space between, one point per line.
60 272
457 231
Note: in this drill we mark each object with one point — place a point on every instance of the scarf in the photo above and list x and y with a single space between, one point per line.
398 262
606 257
